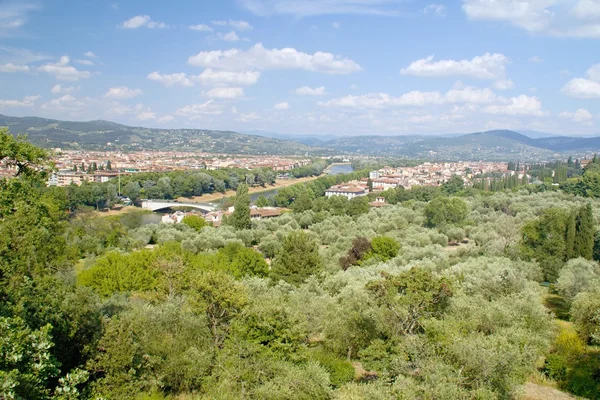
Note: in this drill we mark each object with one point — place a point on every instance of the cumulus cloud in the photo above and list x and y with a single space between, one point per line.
28 101
64 103
56 89
238 25
227 93
219 78
84 62
282 106
90 54
585 88
9 67
535 59
122 92
305 8
201 28
228 37
437 9
486 66
467 95
258 57
140 21
522 105
308 91
15 14
581 116
63 71
551 17
165 119
196 111
178 79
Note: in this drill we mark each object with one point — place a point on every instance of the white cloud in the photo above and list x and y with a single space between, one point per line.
64 103
142 20
145 115
165 119
536 59
238 25
586 9
225 93
336 25
228 37
178 79
531 15
15 14
308 91
583 88
580 116
282 106
437 9
9 67
218 78
122 92
487 66
305 8
504 84
521 105
20 56
84 62
258 57
28 101
251 116
551 17
90 54
201 28
196 111
470 95
63 71
56 89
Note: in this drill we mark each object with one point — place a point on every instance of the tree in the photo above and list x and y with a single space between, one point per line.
357 206
383 248
410 297
443 210
108 166
240 219
262 201
19 153
570 234
584 239
297 259
370 185
132 190
360 248
453 186
195 222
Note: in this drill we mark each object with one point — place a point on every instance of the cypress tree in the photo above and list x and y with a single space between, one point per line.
240 219
584 238
570 234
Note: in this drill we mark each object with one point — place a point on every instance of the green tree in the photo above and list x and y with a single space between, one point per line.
195 222
453 185
585 227
383 248
262 201
443 210
132 190
570 234
357 206
297 259
108 165
240 219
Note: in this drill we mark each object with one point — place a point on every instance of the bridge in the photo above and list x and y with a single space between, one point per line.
155 205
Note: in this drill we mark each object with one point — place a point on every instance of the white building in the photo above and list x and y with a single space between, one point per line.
347 191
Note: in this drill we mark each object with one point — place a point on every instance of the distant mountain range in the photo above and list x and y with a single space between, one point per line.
489 145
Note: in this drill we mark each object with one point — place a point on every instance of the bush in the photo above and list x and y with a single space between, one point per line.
340 371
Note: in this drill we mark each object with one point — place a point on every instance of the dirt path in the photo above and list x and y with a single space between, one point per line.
205 198
533 391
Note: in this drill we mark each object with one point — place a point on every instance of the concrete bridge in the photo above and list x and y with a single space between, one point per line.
155 205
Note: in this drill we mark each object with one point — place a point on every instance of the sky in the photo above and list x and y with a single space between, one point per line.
319 67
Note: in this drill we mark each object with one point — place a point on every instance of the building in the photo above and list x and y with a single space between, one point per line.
265 212
349 191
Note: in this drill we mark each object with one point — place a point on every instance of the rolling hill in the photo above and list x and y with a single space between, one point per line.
489 145
106 135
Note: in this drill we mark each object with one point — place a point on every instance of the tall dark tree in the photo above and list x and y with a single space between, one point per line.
108 166
585 227
240 219
297 259
570 234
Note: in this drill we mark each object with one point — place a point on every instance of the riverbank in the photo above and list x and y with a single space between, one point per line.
281 183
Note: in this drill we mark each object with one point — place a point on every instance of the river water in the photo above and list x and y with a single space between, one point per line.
155 217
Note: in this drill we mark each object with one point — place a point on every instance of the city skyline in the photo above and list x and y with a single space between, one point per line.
340 67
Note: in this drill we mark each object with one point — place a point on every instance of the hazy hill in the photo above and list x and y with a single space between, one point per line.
109 135
106 135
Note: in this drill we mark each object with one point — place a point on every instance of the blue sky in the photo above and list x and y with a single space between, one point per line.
343 67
